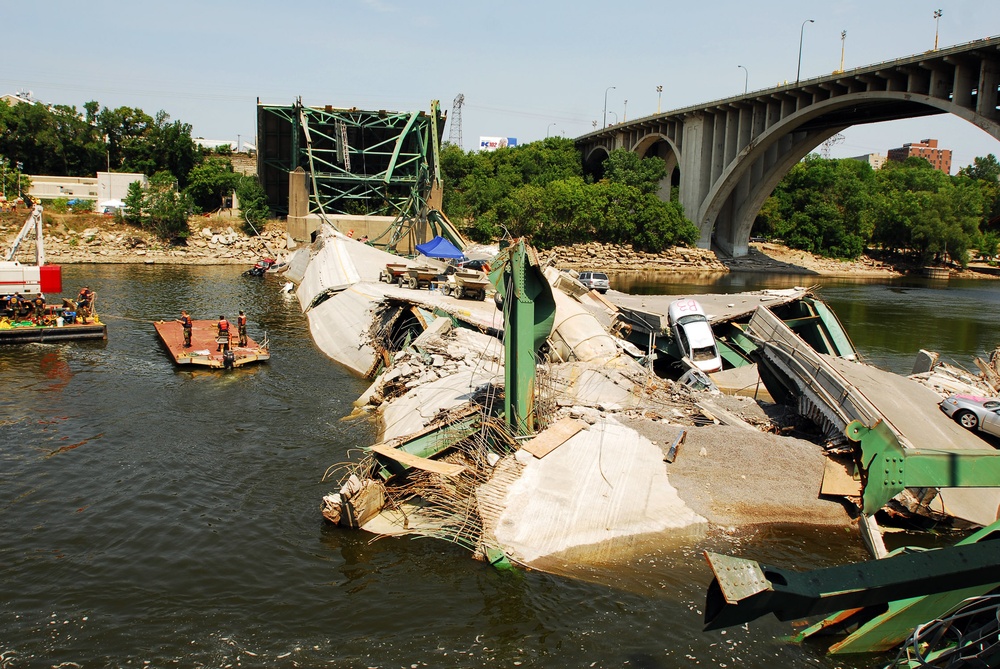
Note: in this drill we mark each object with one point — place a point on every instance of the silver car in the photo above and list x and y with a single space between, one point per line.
974 413
595 281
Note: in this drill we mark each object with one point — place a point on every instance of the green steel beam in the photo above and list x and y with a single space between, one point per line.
744 590
430 442
888 468
880 629
528 314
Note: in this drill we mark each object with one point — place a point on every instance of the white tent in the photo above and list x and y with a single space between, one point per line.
104 206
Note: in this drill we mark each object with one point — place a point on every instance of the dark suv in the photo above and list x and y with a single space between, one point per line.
595 281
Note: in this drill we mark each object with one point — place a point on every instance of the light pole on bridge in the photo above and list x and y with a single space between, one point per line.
746 79
937 20
609 88
802 31
843 37
547 129
612 111
659 94
625 112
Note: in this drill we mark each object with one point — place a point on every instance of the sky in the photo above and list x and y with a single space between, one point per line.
526 69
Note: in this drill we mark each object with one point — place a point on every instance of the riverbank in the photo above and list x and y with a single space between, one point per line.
216 240
85 238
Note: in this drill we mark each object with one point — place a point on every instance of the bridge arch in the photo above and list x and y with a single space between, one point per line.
727 213
661 146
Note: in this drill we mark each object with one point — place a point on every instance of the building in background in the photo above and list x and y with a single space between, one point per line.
940 159
876 160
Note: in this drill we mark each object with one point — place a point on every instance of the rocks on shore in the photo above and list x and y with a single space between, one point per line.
208 243
616 258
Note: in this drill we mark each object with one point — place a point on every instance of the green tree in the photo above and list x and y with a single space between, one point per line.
160 208
210 182
253 202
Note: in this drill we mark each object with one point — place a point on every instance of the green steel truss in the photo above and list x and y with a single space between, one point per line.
358 162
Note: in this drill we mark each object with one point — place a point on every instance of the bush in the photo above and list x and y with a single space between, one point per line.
82 207
60 205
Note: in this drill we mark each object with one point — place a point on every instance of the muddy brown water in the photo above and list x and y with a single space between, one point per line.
152 516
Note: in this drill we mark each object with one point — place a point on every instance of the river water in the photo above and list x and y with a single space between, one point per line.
157 517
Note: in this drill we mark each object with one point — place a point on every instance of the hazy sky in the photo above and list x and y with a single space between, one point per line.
526 68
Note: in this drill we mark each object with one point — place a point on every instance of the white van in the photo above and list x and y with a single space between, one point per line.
693 334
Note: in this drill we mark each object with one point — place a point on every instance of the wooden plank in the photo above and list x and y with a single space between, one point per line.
672 451
553 436
410 460
713 411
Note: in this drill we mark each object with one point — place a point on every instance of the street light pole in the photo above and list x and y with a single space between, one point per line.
659 94
746 79
937 20
612 111
843 36
625 112
606 104
802 31
547 129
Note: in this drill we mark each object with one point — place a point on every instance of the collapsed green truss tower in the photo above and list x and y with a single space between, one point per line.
358 162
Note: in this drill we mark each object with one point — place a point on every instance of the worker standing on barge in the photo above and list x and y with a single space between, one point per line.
225 337
241 328
187 324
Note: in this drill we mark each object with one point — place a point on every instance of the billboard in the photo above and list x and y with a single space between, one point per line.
494 143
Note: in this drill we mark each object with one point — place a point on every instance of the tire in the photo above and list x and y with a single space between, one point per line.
401 282
459 292
414 283
967 419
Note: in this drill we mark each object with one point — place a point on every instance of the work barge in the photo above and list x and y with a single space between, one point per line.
549 427
205 349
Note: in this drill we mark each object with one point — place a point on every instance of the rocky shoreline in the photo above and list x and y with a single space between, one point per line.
78 239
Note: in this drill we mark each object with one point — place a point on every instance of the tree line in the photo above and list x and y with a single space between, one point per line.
538 190
185 179
840 208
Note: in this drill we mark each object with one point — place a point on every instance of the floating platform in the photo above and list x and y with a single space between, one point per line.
203 346
28 334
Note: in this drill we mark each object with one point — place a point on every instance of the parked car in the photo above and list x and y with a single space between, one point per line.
693 334
595 281
974 413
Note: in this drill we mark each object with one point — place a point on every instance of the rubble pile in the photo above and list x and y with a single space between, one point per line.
614 257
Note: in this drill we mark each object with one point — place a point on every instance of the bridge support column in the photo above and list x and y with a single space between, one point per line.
696 173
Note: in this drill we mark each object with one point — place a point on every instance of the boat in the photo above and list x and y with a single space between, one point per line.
203 350
59 322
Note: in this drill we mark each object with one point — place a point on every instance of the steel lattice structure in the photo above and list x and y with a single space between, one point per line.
357 161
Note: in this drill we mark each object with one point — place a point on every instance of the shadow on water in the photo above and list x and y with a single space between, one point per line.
150 514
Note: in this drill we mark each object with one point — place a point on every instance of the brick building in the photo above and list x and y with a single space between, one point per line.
940 159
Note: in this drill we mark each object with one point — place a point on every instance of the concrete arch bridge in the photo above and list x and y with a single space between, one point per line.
732 153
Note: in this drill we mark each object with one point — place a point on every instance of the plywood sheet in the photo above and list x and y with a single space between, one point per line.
554 436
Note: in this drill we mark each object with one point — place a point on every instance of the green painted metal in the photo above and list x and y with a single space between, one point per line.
888 468
428 443
835 332
744 590
362 161
731 355
529 313
880 629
